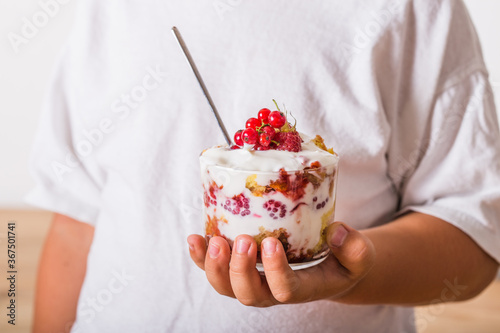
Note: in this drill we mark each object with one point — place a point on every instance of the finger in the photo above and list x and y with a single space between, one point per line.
248 286
352 249
284 284
197 249
217 266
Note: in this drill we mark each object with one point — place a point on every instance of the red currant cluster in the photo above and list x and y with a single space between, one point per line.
261 131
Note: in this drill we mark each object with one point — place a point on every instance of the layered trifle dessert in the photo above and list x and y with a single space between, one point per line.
274 182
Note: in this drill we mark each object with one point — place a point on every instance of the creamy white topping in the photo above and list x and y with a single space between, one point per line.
269 160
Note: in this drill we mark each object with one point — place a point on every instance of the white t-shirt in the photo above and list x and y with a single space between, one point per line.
398 88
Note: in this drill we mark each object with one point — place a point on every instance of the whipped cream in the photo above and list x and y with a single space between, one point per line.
270 160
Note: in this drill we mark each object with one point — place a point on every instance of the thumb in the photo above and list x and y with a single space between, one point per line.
352 249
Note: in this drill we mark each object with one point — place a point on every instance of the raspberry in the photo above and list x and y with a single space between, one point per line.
290 141
321 204
277 119
249 136
237 205
276 209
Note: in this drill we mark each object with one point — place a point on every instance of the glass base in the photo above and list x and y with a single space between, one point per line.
297 266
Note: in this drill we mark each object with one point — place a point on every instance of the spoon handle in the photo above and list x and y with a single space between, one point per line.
190 60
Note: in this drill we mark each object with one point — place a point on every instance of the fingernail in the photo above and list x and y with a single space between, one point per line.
242 246
269 247
339 236
191 246
213 251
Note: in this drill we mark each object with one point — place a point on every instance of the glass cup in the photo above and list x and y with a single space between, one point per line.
295 207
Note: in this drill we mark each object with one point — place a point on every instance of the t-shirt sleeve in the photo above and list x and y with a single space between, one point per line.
64 180
457 177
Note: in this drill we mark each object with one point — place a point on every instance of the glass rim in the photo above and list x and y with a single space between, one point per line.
253 172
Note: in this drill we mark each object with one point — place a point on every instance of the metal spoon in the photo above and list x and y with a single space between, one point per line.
190 60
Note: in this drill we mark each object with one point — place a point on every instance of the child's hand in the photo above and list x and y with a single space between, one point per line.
353 255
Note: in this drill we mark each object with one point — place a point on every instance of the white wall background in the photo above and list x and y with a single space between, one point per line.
23 80
24 76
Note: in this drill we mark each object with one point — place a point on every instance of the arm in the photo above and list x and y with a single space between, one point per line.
422 259
61 273
405 262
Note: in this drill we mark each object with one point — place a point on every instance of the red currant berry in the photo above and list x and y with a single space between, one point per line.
249 136
264 114
253 123
264 139
277 119
237 138
260 147
269 131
